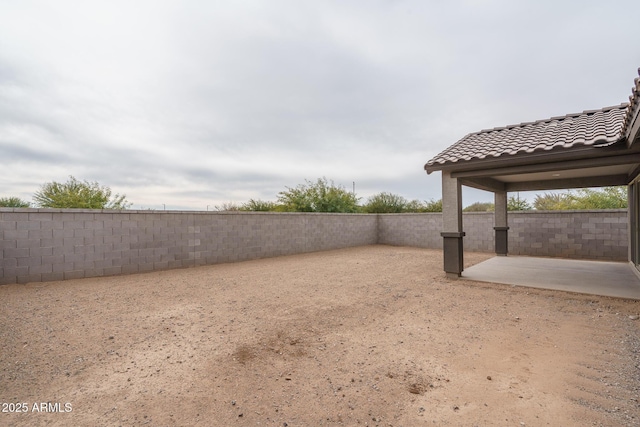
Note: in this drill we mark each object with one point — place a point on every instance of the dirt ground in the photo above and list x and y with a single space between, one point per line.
371 336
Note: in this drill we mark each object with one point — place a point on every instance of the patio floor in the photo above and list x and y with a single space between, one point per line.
613 279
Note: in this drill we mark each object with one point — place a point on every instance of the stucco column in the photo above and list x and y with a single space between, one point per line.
500 223
632 214
452 225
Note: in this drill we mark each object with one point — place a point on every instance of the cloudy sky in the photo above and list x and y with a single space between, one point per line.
188 104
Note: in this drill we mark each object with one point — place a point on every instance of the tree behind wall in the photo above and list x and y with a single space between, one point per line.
552 202
432 206
254 205
385 203
13 202
319 196
78 195
583 199
515 203
604 198
480 207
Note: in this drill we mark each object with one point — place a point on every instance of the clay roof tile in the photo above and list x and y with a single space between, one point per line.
591 127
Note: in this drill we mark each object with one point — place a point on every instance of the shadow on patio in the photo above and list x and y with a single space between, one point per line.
613 279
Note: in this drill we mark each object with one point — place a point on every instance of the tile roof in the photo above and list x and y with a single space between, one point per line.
594 127
634 105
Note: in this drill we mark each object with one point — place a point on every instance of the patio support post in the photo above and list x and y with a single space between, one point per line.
632 220
500 222
452 225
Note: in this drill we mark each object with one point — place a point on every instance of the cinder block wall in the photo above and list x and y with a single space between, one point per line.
479 234
600 235
42 245
423 230
418 230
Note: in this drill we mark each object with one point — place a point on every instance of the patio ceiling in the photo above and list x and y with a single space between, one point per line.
601 168
595 167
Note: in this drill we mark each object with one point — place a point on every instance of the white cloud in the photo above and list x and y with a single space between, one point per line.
197 103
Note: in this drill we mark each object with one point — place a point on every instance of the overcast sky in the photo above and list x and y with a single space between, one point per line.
190 104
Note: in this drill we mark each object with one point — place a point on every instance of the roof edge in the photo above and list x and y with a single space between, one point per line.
584 152
631 125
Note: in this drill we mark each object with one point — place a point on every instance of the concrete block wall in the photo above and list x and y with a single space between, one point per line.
47 244
479 233
421 230
43 245
600 235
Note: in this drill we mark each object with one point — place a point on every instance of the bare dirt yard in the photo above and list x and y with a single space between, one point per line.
371 336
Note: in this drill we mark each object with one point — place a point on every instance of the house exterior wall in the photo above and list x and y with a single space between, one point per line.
48 244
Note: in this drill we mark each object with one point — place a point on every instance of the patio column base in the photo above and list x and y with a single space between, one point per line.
453 253
502 240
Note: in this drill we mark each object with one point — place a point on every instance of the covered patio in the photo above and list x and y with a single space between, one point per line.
612 279
595 148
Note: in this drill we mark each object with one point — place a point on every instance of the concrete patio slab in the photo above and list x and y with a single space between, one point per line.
613 279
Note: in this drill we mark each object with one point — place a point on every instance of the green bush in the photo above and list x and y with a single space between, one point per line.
13 202
385 203
259 206
319 196
228 207
432 206
480 207
583 199
515 203
78 194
